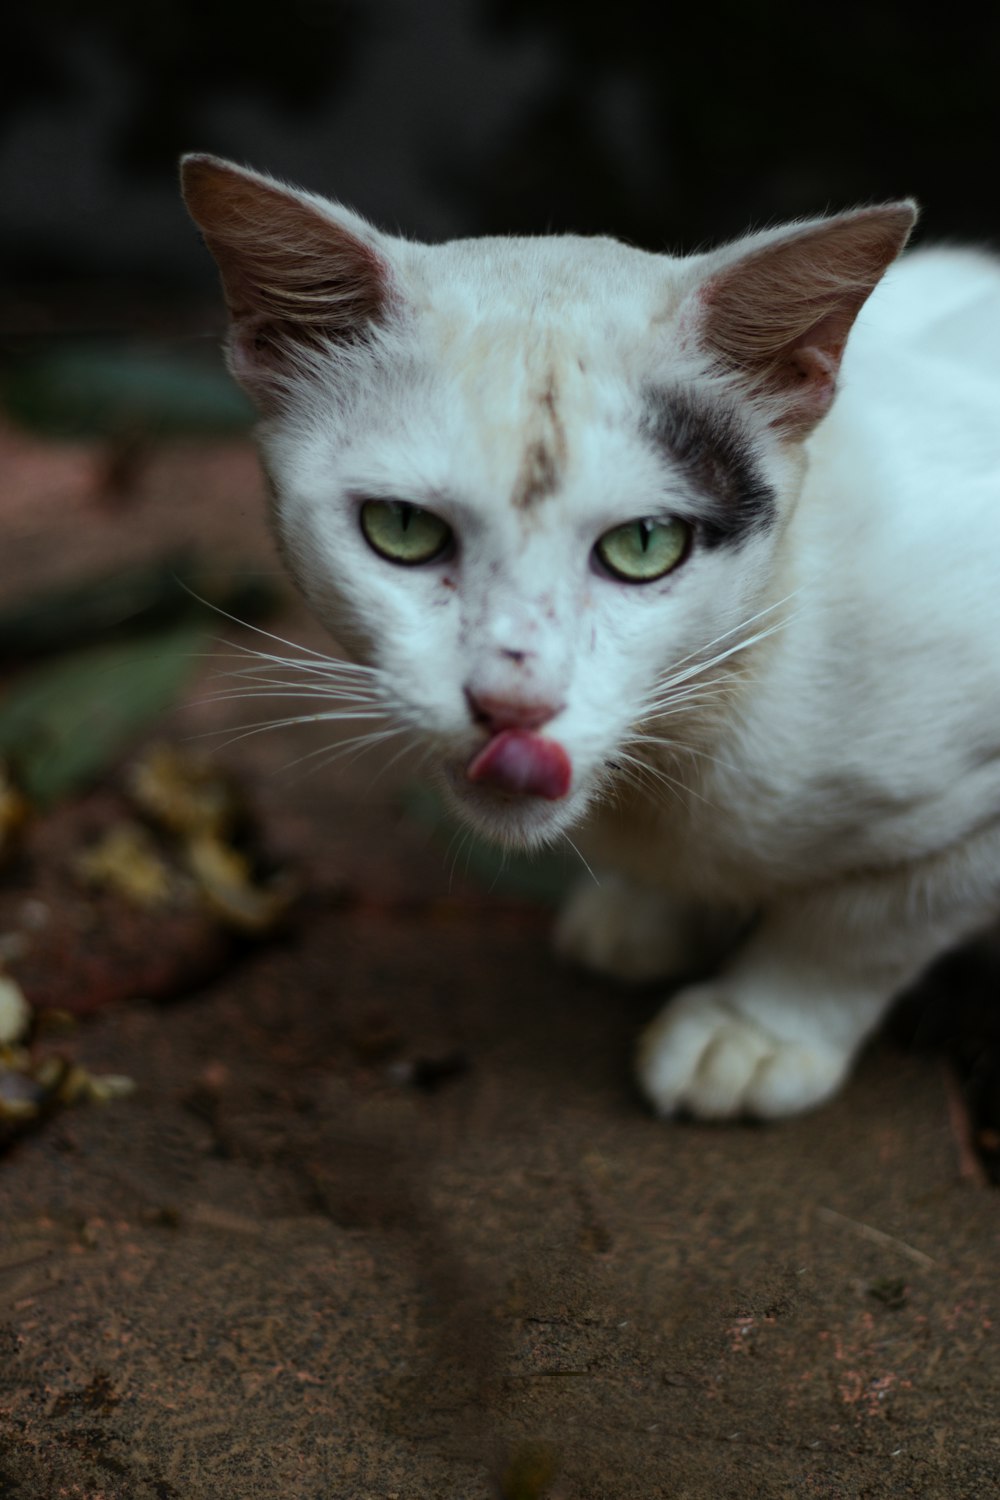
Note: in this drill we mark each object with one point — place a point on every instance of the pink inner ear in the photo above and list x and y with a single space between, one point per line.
258 348
815 368
781 314
292 275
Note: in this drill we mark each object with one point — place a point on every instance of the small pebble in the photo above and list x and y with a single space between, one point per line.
15 1012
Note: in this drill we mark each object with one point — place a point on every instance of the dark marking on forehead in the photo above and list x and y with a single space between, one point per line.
538 476
714 451
545 451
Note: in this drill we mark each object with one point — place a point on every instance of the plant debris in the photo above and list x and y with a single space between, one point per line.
205 811
127 860
186 794
189 850
141 891
32 1083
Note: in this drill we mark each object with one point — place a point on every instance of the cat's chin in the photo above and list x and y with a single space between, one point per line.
510 818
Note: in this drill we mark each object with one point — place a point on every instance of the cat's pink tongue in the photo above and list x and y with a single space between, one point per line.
515 760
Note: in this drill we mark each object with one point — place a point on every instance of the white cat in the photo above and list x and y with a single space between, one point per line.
631 543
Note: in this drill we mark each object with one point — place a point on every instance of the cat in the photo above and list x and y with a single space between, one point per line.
695 557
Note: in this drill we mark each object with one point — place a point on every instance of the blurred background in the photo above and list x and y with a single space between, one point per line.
666 125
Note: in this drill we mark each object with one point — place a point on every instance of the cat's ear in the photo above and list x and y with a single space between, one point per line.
779 313
296 270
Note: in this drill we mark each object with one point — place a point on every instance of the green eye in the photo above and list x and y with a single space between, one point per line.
403 533
643 550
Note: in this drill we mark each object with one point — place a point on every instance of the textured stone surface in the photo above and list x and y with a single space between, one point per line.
282 1268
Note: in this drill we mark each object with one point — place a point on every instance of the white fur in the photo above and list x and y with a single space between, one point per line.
834 785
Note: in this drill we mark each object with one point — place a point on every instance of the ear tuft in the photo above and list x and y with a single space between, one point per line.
779 315
296 270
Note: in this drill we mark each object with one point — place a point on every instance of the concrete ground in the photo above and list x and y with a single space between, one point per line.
385 1218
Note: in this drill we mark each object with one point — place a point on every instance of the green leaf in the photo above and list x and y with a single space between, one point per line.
121 390
64 724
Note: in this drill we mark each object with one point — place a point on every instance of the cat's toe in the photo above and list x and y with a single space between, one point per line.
703 1056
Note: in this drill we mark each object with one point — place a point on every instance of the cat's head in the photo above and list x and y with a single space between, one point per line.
539 484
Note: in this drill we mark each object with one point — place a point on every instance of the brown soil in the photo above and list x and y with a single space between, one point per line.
384 1217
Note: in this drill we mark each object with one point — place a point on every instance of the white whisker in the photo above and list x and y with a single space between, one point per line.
744 624
306 674
678 747
701 695
464 842
230 695
353 746
349 692
682 788
324 666
257 630
580 856
684 691
329 716
406 749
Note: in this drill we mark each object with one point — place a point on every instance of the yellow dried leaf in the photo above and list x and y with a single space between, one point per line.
183 793
127 860
225 879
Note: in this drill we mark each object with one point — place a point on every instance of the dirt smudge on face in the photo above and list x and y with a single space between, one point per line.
544 460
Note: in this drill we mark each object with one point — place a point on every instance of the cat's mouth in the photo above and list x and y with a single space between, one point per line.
522 762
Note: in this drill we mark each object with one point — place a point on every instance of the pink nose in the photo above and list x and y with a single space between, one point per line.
497 712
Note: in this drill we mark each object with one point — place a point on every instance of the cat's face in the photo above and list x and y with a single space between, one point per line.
516 530
514 478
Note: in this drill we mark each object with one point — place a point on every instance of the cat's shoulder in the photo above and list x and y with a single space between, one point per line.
927 287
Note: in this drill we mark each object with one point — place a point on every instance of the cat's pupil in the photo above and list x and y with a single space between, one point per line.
643 550
404 533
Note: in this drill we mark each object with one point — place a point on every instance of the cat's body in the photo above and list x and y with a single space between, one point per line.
786 743
867 730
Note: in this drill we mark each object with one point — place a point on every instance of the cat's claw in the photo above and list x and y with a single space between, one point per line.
704 1057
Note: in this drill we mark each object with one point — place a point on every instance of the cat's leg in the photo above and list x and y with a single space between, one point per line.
636 932
777 1031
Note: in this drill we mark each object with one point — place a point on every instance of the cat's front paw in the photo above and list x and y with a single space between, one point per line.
702 1055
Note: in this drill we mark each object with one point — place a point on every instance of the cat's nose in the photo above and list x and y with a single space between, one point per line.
497 711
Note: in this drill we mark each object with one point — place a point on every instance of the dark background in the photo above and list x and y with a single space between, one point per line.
670 126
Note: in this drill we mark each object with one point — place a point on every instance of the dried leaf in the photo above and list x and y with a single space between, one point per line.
225 879
185 794
32 1087
127 860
